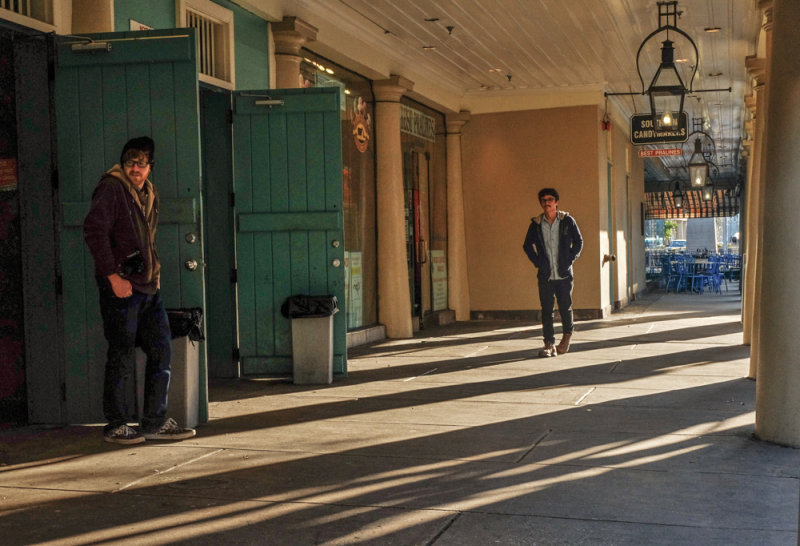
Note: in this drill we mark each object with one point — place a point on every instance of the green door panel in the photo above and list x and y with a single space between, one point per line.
145 84
221 328
289 238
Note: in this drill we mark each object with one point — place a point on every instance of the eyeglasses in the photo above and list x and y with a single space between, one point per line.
548 199
141 164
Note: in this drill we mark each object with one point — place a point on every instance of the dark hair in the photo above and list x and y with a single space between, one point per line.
140 144
548 191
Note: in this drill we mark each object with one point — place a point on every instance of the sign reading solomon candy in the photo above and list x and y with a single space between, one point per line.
645 131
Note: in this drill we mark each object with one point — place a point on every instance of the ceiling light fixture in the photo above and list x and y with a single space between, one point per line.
698 167
667 90
712 29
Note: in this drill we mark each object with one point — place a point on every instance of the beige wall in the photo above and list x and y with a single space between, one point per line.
507 158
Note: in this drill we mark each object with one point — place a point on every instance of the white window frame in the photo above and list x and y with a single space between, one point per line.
223 17
52 7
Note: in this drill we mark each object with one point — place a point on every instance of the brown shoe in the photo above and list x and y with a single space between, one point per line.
563 347
548 350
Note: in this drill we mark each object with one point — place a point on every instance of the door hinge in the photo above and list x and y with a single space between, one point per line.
63 392
234 275
233 199
236 355
59 285
54 179
229 116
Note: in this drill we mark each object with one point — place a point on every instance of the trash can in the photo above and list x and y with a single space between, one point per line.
184 384
312 337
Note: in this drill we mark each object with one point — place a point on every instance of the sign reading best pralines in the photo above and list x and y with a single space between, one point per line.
645 131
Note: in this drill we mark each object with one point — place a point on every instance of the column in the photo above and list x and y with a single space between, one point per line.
755 213
457 278
290 35
778 377
394 297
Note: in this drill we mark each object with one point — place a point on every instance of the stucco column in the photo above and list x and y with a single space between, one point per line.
457 278
290 35
394 298
755 211
778 379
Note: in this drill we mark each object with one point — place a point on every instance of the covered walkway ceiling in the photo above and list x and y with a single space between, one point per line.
506 49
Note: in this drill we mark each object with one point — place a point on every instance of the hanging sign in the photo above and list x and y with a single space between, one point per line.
362 124
644 131
660 152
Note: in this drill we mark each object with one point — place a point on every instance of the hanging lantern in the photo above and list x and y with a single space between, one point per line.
708 190
666 90
698 166
677 195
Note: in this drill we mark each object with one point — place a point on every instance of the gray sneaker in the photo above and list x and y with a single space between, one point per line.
123 434
170 430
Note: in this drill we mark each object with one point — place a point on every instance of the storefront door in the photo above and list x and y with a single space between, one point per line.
289 218
417 234
117 88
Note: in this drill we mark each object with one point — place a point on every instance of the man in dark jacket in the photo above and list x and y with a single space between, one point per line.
553 243
120 231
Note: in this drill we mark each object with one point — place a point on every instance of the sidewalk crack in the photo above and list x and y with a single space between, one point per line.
535 444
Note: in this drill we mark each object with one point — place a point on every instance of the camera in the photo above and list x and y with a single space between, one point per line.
132 264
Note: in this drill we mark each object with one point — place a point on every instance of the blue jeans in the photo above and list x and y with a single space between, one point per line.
549 292
139 320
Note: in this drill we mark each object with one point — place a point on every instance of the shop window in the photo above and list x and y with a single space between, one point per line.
38 14
358 179
214 26
422 131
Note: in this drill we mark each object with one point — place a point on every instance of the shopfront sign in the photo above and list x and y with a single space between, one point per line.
439 279
660 152
414 122
645 131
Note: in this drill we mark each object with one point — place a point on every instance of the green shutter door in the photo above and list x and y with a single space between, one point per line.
145 84
288 184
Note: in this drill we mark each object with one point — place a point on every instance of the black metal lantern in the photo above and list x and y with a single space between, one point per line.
698 166
666 86
708 190
677 195
667 89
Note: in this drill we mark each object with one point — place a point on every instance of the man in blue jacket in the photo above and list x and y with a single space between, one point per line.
553 243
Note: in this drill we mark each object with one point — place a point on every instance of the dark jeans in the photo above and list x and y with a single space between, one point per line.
549 291
139 320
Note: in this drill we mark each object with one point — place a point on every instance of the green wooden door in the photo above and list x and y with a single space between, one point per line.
289 235
144 83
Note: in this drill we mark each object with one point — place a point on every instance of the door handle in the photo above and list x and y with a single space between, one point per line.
191 265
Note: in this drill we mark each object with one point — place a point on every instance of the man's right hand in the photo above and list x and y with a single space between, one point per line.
121 287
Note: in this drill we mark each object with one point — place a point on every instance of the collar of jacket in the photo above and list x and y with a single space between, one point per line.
561 214
117 172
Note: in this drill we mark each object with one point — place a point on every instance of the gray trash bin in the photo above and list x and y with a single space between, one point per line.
312 337
184 384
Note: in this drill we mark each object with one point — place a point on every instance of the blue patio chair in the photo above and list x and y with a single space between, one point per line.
674 275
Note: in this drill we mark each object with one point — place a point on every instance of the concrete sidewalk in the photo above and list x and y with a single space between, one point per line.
642 434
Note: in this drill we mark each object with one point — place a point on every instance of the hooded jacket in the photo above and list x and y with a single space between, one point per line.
570 244
118 225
